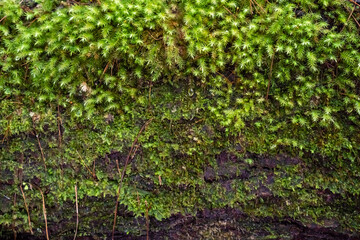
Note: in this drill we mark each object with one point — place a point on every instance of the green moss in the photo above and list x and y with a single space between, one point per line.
78 81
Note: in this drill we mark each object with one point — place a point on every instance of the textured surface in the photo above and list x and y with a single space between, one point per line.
254 105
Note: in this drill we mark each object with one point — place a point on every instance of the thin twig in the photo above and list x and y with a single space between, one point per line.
356 21
76 2
92 173
124 171
59 124
270 75
118 168
41 150
138 198
157 39
251 2
6 132
352 11
60 141
134 151
26 71
32 22
227 80
44 212
348 18
3 18
160 181
349 0
150 94
254 1
350 15
147 220
200 120
20 169
230 12
6 197
106 67
16 102
77 212
13 222
9 117
27 209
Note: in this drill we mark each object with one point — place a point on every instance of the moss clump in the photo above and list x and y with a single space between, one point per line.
229 86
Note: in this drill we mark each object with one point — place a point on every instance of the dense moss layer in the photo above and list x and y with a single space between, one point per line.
252 105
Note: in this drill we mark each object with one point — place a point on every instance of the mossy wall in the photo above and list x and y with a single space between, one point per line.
254 105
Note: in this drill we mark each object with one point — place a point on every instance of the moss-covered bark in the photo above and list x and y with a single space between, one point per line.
254 106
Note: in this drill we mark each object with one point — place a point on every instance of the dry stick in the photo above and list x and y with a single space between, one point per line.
13 223
6 133
60 141
138 198
27 209
150 94
157 39
147 220
230 12
8 127
41 150
254 7
227 80
106 67
350 15
200 120
20 169
258 5
3 18
26 72
124 171
134 152
349 0
92 173
160 181
9 199
77 212
356 21
76 2
15 102
59 124
32 22
44 211
118 168
270 74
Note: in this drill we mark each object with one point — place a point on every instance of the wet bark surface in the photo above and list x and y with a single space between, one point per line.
226 223
221 223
